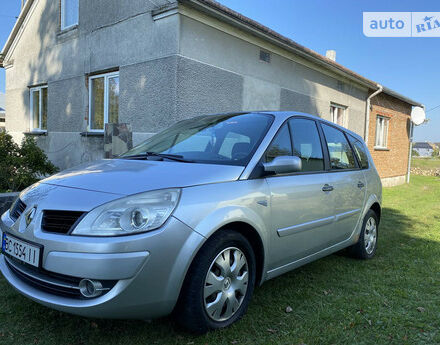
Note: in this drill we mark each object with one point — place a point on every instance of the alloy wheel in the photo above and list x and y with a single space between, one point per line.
370 235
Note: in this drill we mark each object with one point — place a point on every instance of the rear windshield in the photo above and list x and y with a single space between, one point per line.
214 139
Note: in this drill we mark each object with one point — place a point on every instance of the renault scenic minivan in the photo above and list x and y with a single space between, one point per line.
191 220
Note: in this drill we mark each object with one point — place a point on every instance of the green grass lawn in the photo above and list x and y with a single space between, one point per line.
425 163
392 299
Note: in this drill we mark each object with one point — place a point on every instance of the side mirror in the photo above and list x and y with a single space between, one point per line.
283 165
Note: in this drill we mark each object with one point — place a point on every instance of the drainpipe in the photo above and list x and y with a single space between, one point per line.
411 133
367 112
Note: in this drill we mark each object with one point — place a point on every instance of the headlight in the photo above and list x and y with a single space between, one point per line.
130 215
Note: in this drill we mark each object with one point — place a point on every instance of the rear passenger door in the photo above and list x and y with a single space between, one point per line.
301 211
347 181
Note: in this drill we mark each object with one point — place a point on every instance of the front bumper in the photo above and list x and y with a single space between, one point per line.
148 270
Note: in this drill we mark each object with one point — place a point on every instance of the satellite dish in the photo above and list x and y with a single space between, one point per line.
418 115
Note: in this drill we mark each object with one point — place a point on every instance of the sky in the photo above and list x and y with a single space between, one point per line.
409 66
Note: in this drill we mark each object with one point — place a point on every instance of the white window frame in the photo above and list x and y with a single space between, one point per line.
63 26
381 140
106 77
344 115
31 106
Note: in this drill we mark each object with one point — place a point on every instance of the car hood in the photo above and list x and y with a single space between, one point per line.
125 176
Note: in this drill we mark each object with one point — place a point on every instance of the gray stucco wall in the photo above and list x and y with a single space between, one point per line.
171 68
287 82
111 34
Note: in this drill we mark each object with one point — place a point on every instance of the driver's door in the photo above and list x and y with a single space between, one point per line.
301 212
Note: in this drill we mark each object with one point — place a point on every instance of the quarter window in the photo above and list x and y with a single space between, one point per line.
338 114
360 152
381 132
38 107
103 100
280 146
341 155
69 13
307 144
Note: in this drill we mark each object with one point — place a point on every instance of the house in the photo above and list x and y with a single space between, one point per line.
424 149
2 111
74 65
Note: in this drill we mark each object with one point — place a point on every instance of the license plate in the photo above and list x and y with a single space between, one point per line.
21 250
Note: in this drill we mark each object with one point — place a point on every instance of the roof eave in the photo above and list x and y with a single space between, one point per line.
15 31
402 97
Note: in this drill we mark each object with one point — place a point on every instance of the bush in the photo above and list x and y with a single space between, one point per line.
21 166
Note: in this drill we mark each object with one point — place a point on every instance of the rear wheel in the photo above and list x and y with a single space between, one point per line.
366 246
219 283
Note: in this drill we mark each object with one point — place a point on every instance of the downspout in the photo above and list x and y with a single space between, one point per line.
367 112
411 134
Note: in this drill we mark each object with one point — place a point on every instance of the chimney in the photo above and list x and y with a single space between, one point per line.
331 54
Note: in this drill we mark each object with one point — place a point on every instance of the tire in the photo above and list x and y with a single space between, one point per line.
203 306
366 246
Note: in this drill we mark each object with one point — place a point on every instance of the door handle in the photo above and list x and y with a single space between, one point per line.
327 188
361 184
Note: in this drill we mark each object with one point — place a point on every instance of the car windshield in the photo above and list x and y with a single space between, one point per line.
215 139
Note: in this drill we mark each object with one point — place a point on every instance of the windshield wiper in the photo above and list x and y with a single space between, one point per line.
177 158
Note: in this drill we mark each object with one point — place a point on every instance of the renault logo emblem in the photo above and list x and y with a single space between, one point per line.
30 215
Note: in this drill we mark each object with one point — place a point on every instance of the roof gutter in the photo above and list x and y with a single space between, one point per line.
367 111
15 31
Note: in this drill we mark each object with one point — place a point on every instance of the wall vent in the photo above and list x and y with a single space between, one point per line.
264 56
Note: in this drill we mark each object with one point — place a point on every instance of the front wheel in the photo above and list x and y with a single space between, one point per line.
366 246
219 283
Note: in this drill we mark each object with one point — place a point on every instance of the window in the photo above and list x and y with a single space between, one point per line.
280 146
69 13
360 151
307 144
103 100
341 155
338 114
38 109
381 132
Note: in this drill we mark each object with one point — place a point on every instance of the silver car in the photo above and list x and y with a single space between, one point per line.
192 219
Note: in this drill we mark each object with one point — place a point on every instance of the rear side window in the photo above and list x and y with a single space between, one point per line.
307 144
360 152
280 146
341 155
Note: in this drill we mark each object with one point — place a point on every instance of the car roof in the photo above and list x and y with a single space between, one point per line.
284 115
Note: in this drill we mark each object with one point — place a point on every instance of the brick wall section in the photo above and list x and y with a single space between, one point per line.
393 161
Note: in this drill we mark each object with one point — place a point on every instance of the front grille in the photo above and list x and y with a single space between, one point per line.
53 283
60 222
17 209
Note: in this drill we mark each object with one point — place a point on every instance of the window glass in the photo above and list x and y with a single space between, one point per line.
233 145
38 108
104 100
214 139
307 144
113 98
381 131
69 13
44 108
338 114
97 104
341 155
280 146
35 109
361 154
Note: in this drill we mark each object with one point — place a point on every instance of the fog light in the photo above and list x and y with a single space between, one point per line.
90 288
